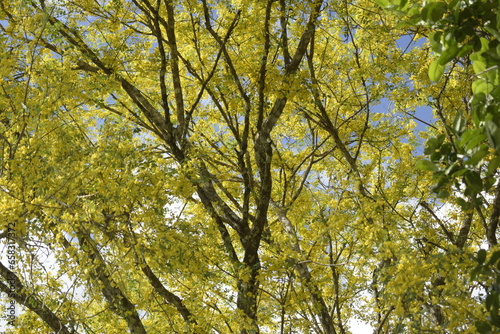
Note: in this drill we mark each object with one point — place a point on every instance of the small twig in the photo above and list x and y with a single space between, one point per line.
379 328
487 70
448 234
322 264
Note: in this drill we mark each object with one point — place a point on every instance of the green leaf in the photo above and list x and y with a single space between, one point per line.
477 157
488 183
433 144
495 93
481 256
485 44
495 318
436 70
483 327
491 76
489 301
459 172
452 4
446 150
435 39
443 194
448 54
383 3
464 50
479 66
433 11
493 165
481 86
436 156
459 124
474 142
493 133
494 257
451 169
402 4
473 181
498 20
426 165
463 203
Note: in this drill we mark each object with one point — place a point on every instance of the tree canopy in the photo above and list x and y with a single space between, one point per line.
213 166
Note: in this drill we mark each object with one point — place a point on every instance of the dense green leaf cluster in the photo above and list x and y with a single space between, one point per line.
489 271
466 34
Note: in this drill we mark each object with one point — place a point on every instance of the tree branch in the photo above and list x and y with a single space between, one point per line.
30 301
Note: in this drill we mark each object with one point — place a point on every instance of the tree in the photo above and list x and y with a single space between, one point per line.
198 166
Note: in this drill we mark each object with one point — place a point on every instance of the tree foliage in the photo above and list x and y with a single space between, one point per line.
239 167
467 33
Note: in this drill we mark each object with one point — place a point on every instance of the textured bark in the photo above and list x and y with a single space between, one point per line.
31 301
301 267
116 299
167 295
